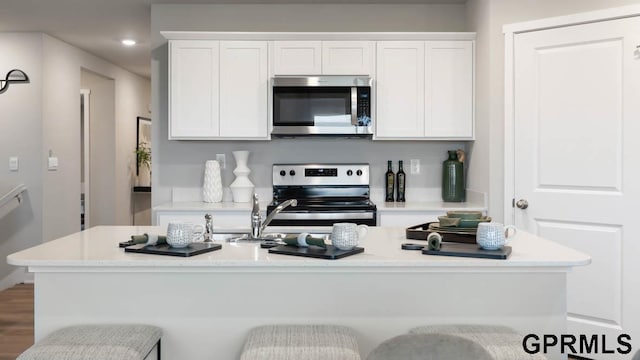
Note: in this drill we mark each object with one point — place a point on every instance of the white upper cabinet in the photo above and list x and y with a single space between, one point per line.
218 90
449 89
323 57
297 57
347 57
425 90
194 85
244 81
400 89
219 83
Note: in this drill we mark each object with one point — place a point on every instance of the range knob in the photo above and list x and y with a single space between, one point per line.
283 173
349 172
359 172
292 173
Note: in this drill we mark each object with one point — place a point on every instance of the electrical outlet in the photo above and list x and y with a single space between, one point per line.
13 163
415 166
222 159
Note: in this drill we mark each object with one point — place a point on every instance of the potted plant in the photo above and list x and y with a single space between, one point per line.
143 155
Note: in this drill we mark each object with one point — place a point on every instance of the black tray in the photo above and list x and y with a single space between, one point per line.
330 253
421 232
469 250
164 249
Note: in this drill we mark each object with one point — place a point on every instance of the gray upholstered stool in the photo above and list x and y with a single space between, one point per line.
429 347
503 343
298 342
96 342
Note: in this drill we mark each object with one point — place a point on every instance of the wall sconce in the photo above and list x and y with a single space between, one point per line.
13 76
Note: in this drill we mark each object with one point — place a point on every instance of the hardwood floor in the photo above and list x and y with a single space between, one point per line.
16 320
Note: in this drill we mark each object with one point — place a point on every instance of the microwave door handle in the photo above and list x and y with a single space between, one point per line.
354 106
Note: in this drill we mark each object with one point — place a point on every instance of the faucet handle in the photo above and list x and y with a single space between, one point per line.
208 227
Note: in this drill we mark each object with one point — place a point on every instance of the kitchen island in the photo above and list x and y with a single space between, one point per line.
207 303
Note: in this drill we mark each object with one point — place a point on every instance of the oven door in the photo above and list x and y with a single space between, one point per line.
321 106
324 218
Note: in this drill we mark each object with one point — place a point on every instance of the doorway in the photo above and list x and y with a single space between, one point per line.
85 155
572 110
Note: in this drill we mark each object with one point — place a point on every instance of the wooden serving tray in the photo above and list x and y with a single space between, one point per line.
421 232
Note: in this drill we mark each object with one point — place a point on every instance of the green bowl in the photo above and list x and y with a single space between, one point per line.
473 223
465 214
447 221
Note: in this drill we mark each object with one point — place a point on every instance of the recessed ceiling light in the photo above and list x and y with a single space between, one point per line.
128 42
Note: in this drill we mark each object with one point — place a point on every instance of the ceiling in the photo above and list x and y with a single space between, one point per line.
97 26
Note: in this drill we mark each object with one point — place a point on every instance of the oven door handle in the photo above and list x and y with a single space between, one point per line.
324 215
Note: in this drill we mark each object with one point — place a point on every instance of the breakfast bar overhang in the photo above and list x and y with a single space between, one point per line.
207 303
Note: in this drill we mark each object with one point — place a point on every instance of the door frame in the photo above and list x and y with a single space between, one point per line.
509 31
86 98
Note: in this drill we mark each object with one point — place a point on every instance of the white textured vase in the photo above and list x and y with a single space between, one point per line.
241 187
212 186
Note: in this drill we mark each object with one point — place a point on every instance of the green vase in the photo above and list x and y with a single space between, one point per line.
452 179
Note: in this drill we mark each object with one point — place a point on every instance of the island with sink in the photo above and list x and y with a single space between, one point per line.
206 304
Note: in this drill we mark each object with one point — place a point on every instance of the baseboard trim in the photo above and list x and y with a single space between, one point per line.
17 276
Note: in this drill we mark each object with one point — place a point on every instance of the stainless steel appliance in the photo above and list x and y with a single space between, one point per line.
325 194
322 105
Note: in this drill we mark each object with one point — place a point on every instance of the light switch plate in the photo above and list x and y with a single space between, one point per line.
222 159
13 163
415 166
53 163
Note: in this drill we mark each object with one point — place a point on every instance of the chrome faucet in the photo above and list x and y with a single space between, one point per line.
257 226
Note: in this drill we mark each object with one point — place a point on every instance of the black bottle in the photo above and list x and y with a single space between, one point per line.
400 181
389 182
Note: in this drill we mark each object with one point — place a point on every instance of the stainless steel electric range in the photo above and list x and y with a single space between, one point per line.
326 194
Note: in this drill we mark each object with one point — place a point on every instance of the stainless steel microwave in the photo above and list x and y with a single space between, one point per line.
322 105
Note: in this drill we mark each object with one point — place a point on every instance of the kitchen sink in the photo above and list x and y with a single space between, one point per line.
272 236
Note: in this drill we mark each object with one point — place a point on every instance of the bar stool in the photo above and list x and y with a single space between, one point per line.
295 342
97 342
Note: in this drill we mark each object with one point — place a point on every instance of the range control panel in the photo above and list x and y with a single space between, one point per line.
320 174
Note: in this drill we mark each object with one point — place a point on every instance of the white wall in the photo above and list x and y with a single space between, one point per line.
61 119
44 115
102 152
181 163
21 136
487 17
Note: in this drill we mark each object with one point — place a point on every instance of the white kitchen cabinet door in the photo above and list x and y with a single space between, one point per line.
297 57
400 89
193 89
406 219
244 83
222 220
347 57
449 89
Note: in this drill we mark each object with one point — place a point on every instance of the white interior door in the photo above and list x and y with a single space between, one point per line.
577 148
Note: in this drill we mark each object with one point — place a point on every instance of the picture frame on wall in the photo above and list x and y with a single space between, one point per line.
143 141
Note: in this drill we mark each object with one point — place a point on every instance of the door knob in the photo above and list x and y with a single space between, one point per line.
522 204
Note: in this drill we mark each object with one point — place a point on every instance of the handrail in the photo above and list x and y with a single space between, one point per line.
14 193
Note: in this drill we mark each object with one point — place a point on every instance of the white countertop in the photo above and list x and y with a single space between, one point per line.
203 206
429 206
97 249
188 206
